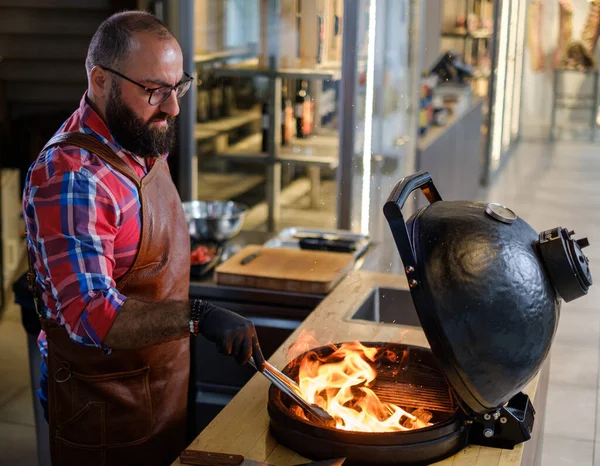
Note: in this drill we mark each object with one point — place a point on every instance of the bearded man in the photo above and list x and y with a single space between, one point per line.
110 260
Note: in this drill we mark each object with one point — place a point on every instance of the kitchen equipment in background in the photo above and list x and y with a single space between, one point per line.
250 258
326 244
302 271
216 97
287 118
265 127
202 99
204 258
214 220
451 69
326 240
303 111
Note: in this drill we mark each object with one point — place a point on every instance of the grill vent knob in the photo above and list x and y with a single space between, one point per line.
583 242
565 262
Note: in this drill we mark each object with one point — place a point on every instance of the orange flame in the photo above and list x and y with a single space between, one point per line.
340 385
306 341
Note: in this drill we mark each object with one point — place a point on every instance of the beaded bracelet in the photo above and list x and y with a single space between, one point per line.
195 312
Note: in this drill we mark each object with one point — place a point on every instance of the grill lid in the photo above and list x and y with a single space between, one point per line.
486 289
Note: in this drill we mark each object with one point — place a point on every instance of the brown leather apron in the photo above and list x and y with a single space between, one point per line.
128 407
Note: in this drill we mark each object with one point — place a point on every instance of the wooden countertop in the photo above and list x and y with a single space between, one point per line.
243 425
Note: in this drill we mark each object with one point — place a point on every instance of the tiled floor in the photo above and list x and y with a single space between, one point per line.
17 426
550 186
546 185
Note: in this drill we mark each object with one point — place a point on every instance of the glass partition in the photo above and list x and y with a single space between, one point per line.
386 98
270 111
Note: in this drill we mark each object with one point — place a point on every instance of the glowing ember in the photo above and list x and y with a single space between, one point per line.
340 385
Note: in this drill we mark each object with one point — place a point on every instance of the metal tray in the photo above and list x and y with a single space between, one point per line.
290 238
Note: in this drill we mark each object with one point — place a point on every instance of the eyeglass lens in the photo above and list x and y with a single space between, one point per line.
162 94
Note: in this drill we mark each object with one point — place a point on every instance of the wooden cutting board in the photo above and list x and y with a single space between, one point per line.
298 270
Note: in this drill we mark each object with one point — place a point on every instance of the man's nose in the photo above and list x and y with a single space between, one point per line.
171 105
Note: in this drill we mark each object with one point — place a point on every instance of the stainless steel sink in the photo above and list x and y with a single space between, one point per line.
389 306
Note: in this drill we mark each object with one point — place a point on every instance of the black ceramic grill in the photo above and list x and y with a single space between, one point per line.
487 290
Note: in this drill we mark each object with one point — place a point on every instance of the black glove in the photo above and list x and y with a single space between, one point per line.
234 335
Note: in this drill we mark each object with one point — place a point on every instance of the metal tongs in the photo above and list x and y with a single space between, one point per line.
291 389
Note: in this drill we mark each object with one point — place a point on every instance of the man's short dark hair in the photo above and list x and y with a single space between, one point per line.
112 41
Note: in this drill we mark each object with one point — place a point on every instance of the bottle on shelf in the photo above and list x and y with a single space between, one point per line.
287 118
265 127
228 97
302 111
216 97
202 100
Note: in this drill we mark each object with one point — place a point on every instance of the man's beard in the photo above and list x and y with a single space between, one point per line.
135 135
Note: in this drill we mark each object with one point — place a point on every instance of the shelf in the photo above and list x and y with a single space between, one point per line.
327 71
576 97
246 150
216 127
481 75
576 70
250 68
201 133
226 186
576 107
313 160
204 59
316 151
481 34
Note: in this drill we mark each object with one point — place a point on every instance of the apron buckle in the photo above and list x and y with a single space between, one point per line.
63 374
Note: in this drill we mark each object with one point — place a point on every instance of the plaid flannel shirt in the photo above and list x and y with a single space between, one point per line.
84 226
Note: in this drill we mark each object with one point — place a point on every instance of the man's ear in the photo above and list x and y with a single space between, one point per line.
100 82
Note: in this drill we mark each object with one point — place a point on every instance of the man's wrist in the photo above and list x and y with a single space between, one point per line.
199 309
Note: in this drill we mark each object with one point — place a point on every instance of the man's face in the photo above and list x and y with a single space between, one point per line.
144 129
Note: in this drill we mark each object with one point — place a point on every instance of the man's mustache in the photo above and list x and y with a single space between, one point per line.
161 117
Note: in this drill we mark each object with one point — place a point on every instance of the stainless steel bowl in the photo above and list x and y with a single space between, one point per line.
214 220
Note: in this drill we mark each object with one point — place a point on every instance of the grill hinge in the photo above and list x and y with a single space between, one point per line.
506 427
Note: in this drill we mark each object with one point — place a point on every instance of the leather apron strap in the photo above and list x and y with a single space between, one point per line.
94 145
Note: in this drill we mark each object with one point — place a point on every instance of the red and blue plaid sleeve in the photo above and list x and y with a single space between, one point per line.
72 221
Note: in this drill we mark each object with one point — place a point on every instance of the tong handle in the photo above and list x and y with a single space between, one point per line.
291 389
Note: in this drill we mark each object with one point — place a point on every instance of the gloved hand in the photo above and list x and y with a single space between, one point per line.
234 335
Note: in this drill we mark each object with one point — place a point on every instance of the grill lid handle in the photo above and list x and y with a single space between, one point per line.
393 211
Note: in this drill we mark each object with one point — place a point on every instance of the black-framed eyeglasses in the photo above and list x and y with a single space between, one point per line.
159 94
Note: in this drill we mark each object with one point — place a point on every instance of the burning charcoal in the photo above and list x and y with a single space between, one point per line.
422 415
409 423
422 419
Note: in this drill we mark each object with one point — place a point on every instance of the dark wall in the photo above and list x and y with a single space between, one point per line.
43 44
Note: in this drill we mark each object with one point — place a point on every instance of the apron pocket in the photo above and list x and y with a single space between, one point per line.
68 453
112 410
